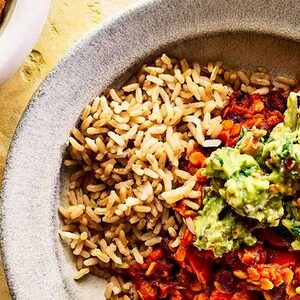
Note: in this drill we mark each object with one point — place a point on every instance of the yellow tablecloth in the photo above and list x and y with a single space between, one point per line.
67 22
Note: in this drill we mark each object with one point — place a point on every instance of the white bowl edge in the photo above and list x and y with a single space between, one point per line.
20 34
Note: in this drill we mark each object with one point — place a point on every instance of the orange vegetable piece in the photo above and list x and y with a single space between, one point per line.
151 268
202 296
201 266
146 291
235 130
249 123
232 141
257 116
258 105
180 253
155 255
258 121
197 158
273 121
249 116
224 136
227 124
217 295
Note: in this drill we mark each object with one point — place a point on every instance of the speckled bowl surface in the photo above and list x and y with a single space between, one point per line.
37 264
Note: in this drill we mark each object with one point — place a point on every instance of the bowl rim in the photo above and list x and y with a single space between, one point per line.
25 16
42 92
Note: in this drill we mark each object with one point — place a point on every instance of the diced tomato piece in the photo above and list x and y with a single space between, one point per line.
255 97
181 207
249 123
297 274
217 295
225 111
224 136
188 237
165 289
241 110
155 255
192 169
146 291
134 270
184 210
283 257
201 266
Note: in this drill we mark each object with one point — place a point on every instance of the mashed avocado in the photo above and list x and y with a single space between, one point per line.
291 221
251 197
220 235
254 180
281 152
252 142
227 162
245 186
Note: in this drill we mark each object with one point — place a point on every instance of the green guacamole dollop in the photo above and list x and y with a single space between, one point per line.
220 235
252 183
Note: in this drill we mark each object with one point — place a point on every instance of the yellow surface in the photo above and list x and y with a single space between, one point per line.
67 22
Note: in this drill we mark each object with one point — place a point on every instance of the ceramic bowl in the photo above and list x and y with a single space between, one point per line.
37 264
20 27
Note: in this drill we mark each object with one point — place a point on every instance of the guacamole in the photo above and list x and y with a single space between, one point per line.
218 234
251 142
246 189
255 181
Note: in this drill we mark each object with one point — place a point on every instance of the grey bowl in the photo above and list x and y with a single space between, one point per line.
37 264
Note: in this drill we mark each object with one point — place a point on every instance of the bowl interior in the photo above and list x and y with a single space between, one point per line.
239 49
279 55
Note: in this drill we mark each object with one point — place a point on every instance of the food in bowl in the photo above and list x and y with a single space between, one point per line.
184 185
2 5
